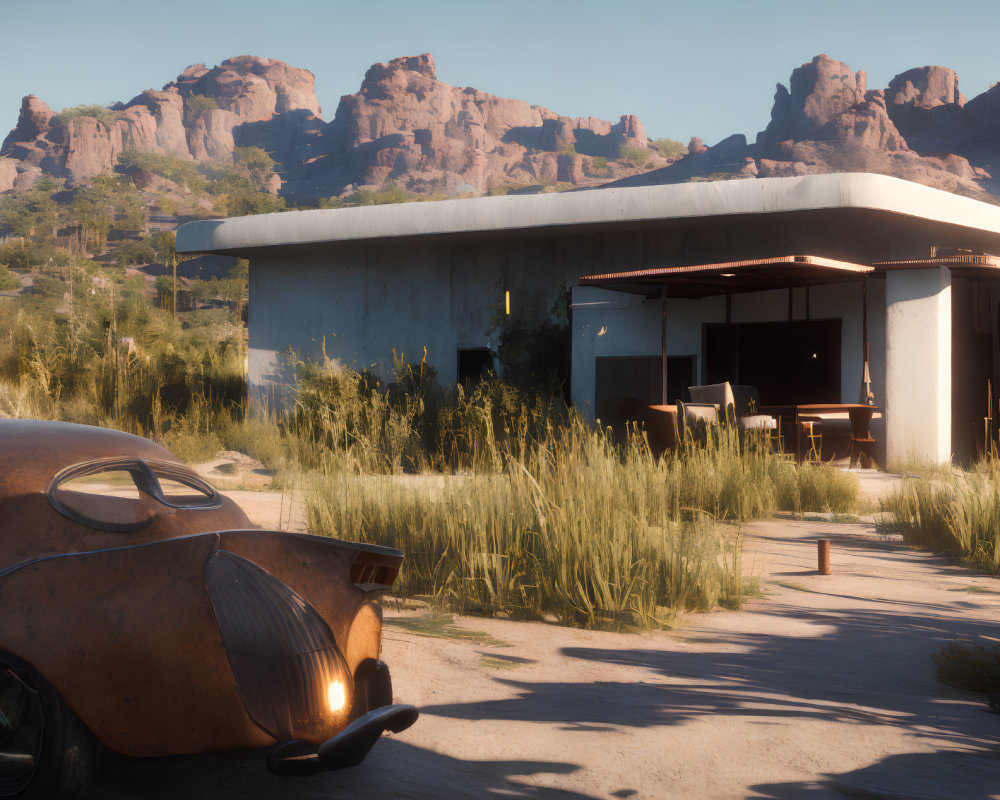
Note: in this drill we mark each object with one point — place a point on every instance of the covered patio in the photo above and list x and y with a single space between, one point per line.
792 363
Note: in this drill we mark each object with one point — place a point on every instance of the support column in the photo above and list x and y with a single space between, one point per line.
663 345
918 365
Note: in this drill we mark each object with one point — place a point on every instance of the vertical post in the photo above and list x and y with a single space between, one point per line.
663 345
823 556
173 263
864 317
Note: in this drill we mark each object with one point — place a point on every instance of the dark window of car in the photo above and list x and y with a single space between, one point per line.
126 494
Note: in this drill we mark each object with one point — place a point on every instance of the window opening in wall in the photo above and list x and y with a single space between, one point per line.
795 361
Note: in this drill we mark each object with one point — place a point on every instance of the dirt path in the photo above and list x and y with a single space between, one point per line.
822 688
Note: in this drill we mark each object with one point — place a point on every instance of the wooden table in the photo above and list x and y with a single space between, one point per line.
859 414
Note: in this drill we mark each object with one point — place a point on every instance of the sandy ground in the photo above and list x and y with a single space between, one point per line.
822 688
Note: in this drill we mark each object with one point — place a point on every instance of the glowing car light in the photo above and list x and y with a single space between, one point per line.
336 697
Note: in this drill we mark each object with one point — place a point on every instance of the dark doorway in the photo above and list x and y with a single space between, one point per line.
796 361
972 373
474 365
626 385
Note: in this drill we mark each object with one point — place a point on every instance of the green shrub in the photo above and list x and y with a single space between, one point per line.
194 105
179 170
49 286
8 279
670 148
636 155
101 113
599 164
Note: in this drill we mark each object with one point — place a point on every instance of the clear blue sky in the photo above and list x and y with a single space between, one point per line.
685 68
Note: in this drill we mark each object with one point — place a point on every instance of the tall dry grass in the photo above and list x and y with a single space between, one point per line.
539 513
569 527
954 513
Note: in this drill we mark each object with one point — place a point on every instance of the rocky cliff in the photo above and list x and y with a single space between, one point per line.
405 126
920 128
201 115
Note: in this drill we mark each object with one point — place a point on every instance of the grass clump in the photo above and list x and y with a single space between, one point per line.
816 487
442 626
958 514
971 667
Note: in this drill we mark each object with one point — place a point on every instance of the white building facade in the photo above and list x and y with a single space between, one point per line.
363 283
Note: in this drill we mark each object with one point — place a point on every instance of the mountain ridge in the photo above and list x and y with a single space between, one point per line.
405 127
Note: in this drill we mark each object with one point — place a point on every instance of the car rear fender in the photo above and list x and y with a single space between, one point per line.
128 638
339 579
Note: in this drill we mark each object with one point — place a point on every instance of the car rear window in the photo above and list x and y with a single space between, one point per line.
108 496
126 494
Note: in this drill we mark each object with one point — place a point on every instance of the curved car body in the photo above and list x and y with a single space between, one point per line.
163 620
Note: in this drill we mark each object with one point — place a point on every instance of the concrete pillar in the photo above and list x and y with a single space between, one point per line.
918 365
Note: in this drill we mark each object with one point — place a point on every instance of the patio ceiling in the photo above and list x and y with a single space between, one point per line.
730 277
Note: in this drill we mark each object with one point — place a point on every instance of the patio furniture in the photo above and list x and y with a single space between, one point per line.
718 394
862 442
740 404
809 429
829 418
747 404
661 428
693 414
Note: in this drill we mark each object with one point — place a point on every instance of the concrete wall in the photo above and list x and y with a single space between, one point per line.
918 365
367 299
364 302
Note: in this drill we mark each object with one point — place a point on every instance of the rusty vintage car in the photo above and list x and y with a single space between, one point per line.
141 611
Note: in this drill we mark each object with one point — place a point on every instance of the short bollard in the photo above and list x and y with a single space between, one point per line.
823 556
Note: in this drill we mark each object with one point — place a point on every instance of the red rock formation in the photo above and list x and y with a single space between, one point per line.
259 101
8 174
167 109
33 121
925 87
406 125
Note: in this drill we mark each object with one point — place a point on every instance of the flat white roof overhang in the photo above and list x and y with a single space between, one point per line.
731 277
595 207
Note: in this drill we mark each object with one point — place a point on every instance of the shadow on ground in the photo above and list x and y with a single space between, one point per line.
931 776
393 769
854 666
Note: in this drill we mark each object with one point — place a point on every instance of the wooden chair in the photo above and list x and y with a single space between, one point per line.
810 429
862 443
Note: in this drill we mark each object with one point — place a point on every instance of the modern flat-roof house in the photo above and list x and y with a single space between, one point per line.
783 283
